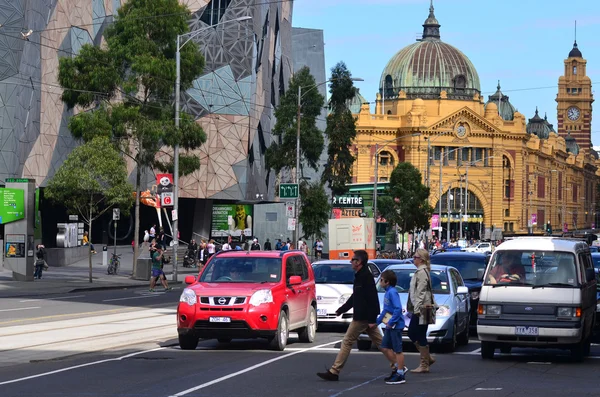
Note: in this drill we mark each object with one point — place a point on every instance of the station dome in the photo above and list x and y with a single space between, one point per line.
428 67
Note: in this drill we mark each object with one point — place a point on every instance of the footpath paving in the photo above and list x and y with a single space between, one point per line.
64 279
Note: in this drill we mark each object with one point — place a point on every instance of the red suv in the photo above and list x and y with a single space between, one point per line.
255 294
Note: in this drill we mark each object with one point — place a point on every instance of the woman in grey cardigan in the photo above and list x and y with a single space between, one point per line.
420 295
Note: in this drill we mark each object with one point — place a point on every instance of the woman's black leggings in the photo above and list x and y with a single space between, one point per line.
416 332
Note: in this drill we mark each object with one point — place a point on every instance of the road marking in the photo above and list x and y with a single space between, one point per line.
539 362
357 386
124 299
49 299
20 308
243 371
79 366
488 388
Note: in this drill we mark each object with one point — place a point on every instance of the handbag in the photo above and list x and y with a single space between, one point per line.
427 313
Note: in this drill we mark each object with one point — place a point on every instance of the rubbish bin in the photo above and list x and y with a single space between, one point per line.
143 268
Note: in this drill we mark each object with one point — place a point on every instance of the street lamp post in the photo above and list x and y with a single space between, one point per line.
176 147
295 234
442 156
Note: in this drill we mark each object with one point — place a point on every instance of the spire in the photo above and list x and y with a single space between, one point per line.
431 27
575 53
498 87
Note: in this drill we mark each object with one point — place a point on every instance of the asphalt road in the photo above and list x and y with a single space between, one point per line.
247 368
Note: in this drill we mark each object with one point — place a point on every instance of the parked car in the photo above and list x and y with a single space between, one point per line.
335 281
480 247
471 266
538 292
255 294
450 294
382 264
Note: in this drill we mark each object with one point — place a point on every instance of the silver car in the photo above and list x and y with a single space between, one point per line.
452 297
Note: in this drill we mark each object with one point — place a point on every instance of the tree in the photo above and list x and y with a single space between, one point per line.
314 209
130 83
282 154
92 180
406 200
341 131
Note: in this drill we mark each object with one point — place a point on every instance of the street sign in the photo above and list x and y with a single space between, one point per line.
288 190
116 214
289 209
291 224
73 218
174 215
166 199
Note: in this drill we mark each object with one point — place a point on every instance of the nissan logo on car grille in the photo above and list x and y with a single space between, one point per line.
222 301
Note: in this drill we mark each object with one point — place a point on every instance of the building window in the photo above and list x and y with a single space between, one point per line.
385 159
574 69
579 90
271 216
214 11
507 212
437 153
389 87
383 179
460 82
478 155
451 153
511 227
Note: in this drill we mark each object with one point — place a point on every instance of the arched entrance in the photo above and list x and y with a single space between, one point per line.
457 203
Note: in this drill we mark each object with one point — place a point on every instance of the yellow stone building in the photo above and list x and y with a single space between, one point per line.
505 173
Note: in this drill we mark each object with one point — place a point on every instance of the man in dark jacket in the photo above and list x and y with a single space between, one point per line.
365 304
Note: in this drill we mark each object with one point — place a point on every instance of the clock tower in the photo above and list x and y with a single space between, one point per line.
575 101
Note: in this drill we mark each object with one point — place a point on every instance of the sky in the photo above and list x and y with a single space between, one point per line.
522 43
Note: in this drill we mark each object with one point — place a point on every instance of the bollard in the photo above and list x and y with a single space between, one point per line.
105 256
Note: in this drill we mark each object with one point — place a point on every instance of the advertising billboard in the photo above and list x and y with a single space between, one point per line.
12 205
231 220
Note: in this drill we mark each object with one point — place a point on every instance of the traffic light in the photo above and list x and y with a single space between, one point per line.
548 228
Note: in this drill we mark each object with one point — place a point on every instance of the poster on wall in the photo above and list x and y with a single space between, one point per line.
15 246
231 220
12 205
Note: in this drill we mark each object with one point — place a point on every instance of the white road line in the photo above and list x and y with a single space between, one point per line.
49 299
488 388
124 299
79 366
356 387
20 308
221 379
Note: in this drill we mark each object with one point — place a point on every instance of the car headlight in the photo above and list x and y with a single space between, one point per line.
491 310
565 312
261 296
188 296
443 311
344 298
474 295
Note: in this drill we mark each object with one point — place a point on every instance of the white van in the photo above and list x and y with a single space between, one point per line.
538 292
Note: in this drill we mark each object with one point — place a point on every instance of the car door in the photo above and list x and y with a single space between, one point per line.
588 290
305 288
462 300
292 293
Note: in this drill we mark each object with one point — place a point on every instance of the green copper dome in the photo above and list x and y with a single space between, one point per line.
428 67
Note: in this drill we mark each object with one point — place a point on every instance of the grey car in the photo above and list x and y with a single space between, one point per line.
452 297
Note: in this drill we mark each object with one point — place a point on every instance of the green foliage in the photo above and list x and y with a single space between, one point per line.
282 153
341 131
92 180
314 209
406 200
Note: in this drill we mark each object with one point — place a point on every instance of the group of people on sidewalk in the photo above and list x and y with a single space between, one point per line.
420 312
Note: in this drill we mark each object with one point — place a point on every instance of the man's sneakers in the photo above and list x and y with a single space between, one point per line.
151 290
396 379
328 376
169 289
394 371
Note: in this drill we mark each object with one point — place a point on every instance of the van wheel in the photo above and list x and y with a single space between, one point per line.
450 347
279 341
363 345
188 342
487 350
307 334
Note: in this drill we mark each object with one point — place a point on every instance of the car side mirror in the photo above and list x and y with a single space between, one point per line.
480 273
590 275
462 290
295 280
190 279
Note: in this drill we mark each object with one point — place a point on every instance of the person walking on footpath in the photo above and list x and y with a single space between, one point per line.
392 317
40 262
365 304
153 232
267 246
157 268
421 309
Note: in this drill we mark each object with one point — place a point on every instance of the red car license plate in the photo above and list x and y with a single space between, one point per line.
220 319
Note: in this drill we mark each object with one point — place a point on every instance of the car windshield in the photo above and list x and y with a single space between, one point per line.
532 268
439 281
242 270
333 273
466 267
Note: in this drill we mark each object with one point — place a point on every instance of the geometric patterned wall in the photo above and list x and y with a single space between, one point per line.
247 65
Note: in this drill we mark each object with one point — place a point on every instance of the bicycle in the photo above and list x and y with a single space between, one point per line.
113 265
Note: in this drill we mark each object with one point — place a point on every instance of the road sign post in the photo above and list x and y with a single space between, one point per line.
116 217
288 190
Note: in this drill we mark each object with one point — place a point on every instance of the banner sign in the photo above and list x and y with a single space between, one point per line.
15 246
231 220
534 219
12 205
164 188
435 221
348 202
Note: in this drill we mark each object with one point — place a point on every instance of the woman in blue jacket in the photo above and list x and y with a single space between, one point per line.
392 317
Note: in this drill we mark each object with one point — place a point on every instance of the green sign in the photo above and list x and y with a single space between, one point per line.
12 205
16 180
288 190
231 220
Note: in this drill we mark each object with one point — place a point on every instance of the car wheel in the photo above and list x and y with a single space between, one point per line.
363 345
307 334
188 342
463 338
505 349
279 341
487 350
224 340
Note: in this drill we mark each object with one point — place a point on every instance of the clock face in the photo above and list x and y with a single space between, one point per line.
573 113
461 130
